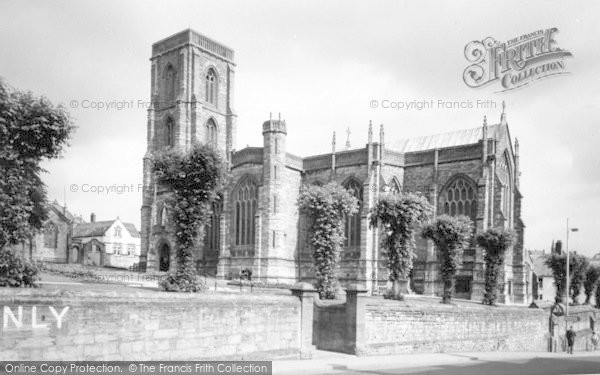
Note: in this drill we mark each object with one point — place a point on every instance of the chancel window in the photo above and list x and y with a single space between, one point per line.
460 198
50 235
211 86
245 209
352 226
212 237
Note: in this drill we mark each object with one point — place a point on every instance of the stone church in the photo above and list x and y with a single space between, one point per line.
257 224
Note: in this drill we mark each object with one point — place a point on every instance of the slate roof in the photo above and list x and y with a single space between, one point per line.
539 265
61 210
443 140
98 228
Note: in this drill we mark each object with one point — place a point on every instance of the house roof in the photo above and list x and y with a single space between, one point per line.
448 139
539 264
98 228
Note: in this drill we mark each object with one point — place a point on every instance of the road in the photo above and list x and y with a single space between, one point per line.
447 364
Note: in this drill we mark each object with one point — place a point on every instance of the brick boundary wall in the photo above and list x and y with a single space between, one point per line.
44 325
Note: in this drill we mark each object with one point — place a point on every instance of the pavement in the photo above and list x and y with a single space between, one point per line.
494 363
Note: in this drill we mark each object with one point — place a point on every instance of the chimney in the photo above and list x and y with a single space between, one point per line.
93 218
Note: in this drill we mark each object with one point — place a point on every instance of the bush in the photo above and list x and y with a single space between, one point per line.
591 280
398 215
327 207
16 271
451 236
173 282
495 242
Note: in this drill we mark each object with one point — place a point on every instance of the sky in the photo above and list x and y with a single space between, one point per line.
321 64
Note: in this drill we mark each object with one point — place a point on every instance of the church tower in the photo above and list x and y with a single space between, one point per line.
191 102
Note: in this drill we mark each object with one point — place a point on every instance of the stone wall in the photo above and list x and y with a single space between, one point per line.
44 325
393 329
374 326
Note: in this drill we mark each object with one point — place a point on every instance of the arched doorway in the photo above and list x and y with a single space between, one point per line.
164 257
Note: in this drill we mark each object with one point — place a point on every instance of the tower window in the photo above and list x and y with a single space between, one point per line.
275 172
211 133
276 146
170 133
212 236
211 87
170 76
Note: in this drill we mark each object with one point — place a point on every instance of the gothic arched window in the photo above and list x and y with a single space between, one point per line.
459 198
211 133
163 216
170 132
50 235
395 187
352 227
212 237
170 82
245 198
211 86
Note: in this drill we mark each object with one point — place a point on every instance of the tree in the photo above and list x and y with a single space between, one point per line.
578 267
398 215
195 180
557 263
495 242
451 235
31 130
327 206
591 281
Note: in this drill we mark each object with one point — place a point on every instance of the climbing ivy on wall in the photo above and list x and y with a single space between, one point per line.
195 180
327 207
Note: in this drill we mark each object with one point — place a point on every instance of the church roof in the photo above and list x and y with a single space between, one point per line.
61 210
443 140
98 228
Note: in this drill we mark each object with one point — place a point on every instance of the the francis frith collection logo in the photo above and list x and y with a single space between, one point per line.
514 63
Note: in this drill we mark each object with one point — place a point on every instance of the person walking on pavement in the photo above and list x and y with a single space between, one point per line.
570 340
595 340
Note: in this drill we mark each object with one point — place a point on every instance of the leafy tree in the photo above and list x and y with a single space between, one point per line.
195 180
557 263
591 281
31 130
495 242
597 298
578 267
451 235
327 207
399 215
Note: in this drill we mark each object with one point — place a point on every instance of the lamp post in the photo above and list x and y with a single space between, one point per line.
568 279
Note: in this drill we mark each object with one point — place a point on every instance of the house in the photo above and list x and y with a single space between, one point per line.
110 243
546 290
